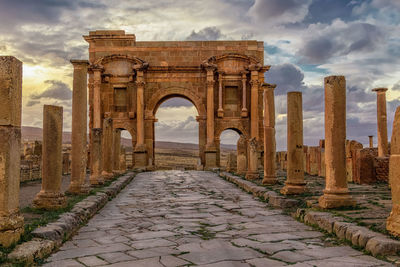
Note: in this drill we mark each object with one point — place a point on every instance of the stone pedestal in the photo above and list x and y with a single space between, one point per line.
50 196
107 148
336 193
295 152
382 121
211 158
393 222
96 158
252 171
11 222
79 183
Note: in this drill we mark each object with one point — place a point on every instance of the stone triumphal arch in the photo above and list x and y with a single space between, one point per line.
129 79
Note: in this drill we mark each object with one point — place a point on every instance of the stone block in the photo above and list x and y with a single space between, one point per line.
364 172
10 91
381 165
382 246
28 252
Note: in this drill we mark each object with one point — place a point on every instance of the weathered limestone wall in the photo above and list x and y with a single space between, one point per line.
11 222
364 172
381 166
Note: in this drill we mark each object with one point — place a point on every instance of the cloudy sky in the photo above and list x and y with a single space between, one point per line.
304 41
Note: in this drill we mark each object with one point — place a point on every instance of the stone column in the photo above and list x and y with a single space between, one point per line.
107 148
393 221
96 156
11 222
255 83
252 171
51 197
96 137
140 149
336 193
211 151
65 163
382 121
79 184
244 112
116 150
241 155
295 153
371 141
269 135
202 139
122 162
220 111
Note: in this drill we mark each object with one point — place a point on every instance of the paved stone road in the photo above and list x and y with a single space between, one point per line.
177 218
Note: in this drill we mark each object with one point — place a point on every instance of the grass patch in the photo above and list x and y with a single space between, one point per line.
35 218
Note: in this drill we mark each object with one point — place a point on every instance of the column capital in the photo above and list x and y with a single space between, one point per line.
77 63
379 90
254 82
96 67
140 83
254 67
267 86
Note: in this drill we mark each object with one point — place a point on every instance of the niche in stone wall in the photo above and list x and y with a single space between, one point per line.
231 101
120 99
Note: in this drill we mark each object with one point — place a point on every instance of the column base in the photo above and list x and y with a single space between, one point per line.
211 160
140 159
220 113
336 200
78 189
49 201
250 175
244 113
393 221
96 180
11 229
269 180
107 175
293 189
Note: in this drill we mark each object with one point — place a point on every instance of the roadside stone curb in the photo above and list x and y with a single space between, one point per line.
51 236
375 243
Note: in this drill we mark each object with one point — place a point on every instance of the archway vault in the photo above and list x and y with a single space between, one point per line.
162 95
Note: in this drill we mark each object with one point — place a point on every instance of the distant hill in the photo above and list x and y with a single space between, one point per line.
35 133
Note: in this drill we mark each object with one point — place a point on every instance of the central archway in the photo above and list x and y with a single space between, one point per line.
161 97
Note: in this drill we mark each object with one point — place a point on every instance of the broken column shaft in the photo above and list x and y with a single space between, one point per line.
50 196
295 152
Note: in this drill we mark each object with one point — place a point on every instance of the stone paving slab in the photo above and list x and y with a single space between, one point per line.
180 218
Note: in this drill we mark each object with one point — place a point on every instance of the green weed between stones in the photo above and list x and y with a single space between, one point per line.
42 217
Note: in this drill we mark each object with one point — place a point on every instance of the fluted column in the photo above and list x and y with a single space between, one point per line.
382 121
220 109
295 153
50 196
79 183
255 83
269 135
140 149
211 152
336 193
244 112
